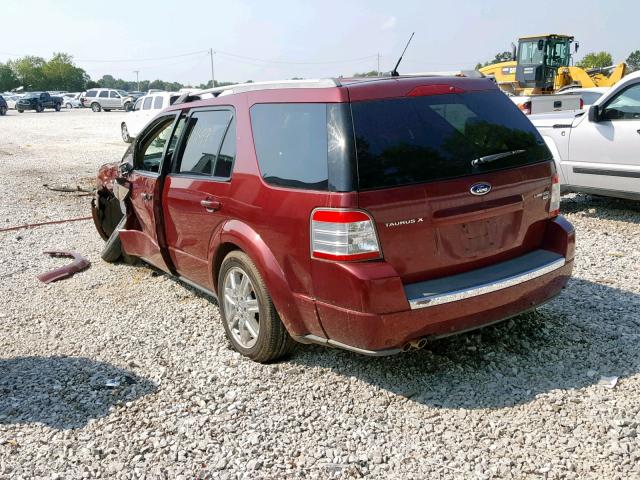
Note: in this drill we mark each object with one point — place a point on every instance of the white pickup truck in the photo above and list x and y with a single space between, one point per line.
597 150
535 104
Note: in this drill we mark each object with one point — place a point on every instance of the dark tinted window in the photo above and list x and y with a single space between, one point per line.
157 103
147 103
114 95
291 144
205 133
104 94
91 93
422 139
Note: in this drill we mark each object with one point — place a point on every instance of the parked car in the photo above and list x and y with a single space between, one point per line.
106 99
447 218
72 100
596 151
11 100
3 106
144 110
38 101
588 95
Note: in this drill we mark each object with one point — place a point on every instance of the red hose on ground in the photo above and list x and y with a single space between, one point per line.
53 222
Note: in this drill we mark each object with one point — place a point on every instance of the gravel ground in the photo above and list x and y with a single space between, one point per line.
121 372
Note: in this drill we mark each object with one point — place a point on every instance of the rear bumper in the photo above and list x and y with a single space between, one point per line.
453 304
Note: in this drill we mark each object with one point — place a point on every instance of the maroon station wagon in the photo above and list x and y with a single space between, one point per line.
371 215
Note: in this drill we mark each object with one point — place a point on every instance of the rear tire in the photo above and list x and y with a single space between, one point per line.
57 107
20 111
3 111
39 108
245 309
95 106
68 106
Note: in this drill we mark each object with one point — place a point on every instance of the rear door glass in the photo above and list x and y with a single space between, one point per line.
157 103
423 139
147 104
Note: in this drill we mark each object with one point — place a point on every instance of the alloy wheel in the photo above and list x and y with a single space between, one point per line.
241 307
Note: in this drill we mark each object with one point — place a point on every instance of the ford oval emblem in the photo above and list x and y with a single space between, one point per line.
481 188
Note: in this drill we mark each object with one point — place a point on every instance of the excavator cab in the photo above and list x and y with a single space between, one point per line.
539 58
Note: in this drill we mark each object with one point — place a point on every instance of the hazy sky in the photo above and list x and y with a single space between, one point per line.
281 39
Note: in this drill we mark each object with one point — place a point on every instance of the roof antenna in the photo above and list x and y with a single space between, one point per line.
394 72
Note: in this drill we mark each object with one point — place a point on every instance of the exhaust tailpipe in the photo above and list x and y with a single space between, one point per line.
416 344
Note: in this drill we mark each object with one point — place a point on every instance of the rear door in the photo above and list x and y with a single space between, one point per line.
141 238
453 181
196 191
604 154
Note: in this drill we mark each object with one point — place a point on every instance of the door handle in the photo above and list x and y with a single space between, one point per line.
210 205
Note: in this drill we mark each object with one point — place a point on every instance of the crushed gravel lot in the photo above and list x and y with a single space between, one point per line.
121 372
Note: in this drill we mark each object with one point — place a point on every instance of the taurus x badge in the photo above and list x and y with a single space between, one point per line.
481 188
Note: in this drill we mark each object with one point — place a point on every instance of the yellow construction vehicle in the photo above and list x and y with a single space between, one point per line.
543 64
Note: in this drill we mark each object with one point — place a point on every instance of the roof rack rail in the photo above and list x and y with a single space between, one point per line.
271 85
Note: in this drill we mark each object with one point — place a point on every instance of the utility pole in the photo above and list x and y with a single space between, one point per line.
213 77
137 79
378 63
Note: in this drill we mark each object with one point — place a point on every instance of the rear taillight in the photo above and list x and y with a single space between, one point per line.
343 235
554 204
525 107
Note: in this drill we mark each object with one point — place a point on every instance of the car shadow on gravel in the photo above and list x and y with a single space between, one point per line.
64 392
605 208
590 331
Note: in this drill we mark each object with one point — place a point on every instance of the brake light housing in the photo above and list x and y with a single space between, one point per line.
554 203
342 235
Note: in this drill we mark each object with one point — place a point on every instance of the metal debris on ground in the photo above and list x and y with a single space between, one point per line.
79 263
609 382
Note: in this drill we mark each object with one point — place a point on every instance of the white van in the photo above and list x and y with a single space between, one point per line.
144 110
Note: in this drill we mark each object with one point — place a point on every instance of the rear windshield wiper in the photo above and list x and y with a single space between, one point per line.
496 156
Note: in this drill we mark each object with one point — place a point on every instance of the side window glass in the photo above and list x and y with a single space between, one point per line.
138 104
149 155
157 103
104 94
626 106
147 103
203 139
114 95
291 144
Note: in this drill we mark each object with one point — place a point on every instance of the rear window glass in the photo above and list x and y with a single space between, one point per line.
423 139
291 144
91 93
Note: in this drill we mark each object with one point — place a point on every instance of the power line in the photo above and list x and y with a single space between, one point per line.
288 62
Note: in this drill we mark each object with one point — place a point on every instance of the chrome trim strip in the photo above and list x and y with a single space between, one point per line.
332 343
432 300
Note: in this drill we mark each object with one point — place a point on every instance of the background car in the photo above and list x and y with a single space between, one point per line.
3 106
11 101
144 110
106 99
38 101
71 100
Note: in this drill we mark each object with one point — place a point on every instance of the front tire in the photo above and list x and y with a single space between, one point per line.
68 106
112 251
249 318
57 107
3 111
124 131
95 106
20 111
39 108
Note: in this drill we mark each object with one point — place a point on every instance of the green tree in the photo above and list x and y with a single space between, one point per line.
8 80
62 74
596 60
371 73
29 71
633 61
